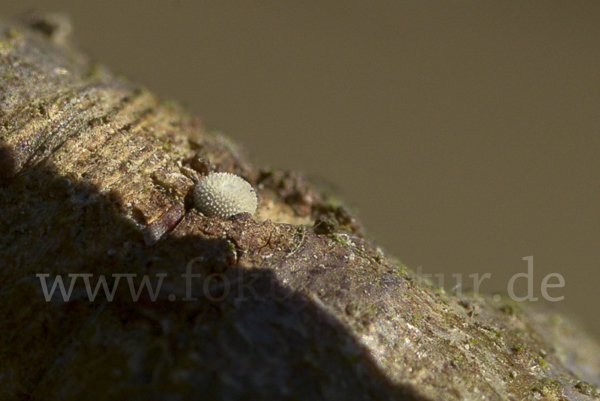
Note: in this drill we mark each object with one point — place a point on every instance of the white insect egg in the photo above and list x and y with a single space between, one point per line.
224 195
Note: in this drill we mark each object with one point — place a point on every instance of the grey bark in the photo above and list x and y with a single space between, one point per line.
96 177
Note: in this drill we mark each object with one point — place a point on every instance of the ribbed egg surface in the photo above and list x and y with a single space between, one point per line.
224 195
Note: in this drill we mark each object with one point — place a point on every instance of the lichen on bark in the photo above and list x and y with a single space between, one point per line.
96 178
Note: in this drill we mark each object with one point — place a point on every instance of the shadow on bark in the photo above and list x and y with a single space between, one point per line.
245 336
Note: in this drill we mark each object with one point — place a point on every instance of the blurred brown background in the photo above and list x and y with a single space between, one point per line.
466 134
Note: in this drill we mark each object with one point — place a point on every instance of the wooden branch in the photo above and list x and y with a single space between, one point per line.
96 178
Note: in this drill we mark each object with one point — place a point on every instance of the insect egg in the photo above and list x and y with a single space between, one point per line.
224 195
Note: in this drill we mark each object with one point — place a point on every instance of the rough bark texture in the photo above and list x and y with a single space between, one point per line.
96 177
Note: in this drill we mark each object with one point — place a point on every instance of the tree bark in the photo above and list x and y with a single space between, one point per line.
96 180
